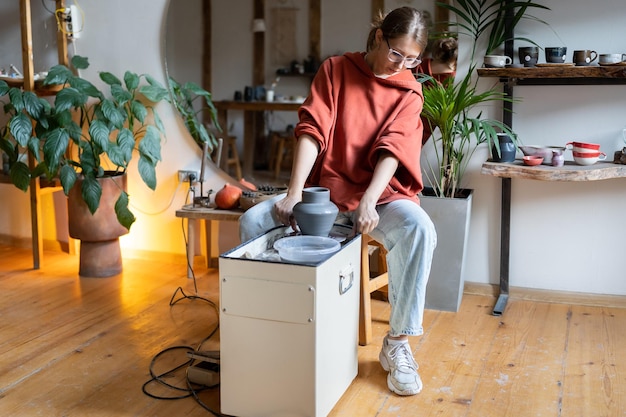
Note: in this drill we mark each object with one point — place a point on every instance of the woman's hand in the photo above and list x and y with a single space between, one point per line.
365 216
284 210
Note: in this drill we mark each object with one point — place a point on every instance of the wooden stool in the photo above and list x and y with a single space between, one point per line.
230 157
369 284
284 144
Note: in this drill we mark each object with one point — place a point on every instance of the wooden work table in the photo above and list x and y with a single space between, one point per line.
507 171
253 117
211 217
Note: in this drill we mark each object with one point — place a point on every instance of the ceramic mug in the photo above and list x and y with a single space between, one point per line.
528 55
497 61
584 57
556 54
612 58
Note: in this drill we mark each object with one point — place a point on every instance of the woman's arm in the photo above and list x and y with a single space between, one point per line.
304 158
365 216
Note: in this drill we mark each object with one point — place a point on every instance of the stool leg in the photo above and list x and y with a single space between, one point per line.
365 306
235 158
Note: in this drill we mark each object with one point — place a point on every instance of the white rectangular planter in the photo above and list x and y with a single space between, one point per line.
451 217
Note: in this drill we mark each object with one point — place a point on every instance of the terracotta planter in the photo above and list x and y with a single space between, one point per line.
100 254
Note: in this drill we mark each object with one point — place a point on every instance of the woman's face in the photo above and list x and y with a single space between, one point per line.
396 48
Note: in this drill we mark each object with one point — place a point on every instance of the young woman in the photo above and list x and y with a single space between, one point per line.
360 135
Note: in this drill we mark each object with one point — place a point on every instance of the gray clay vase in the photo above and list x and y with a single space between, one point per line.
315 214
507 149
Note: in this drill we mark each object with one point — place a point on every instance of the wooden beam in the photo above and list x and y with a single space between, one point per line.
258 76
315 29
206 42
62 39
377 7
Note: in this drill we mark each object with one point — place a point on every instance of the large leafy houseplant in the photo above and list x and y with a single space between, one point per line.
185 98
84 133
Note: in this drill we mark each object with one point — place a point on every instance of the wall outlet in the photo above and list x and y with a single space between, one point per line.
186 175
73 22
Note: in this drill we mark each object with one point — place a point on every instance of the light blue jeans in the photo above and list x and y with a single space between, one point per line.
409 236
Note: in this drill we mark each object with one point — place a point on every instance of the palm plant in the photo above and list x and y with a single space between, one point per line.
447 107
477 18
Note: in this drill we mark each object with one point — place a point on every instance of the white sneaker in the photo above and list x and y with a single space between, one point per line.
397 359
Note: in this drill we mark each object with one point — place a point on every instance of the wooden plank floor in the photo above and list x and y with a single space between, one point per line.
73 346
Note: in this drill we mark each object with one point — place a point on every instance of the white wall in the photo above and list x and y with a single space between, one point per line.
563 235
547 249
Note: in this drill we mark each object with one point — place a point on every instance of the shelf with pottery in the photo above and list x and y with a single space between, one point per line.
559 74
568 172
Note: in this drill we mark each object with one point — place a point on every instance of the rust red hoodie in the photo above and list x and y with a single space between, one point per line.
354 116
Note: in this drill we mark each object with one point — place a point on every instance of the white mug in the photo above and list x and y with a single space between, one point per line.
498 61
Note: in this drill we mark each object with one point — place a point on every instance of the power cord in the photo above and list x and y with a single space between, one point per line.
191 389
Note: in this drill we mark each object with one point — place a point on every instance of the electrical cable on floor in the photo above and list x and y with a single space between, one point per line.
190 390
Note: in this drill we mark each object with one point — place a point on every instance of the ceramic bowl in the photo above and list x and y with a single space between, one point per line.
584 150
588 158
532 160
583 146
544 151
307 249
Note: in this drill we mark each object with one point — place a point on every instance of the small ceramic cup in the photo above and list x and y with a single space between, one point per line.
584 57
611 58
528 55
556 54
497 61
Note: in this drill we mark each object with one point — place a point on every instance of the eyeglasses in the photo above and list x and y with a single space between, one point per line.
396 57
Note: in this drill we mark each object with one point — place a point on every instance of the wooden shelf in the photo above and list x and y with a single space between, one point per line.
559 75
40 89
569 172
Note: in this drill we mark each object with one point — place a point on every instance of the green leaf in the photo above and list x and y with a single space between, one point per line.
150 145
69 98
112 113
16 98
126 143
120 95
59 74
33 104
109 78
99 132
20 175
85 87
147 172
54 147
131 80
116 155
80 62
4 88
124 215
21 128
91 192
67 175
154 93
138 110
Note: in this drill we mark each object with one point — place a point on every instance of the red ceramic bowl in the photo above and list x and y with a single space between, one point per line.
588 154
585 145
532 160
